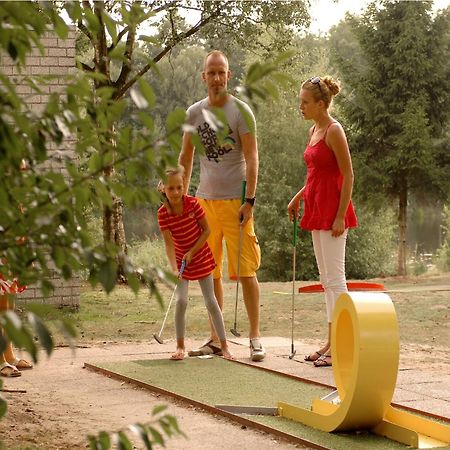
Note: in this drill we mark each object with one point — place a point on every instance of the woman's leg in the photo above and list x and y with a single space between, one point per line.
207 287
6 368
330 256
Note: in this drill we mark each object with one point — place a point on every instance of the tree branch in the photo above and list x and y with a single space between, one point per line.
121 91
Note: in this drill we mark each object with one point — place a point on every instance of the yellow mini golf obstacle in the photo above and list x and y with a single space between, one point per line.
365 355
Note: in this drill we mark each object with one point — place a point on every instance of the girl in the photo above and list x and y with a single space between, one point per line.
185 230
328 211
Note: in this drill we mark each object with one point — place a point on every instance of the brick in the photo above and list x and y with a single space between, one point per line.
66 62
57 52
39 70
49 42
49 61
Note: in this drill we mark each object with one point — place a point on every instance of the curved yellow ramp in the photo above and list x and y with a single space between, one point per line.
365 355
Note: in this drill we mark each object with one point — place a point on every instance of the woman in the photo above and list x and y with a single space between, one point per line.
328 210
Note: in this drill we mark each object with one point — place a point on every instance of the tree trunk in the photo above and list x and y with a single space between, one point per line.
402 211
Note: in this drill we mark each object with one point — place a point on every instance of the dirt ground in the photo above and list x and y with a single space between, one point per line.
58 403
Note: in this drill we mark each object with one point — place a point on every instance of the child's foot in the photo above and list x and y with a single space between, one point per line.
227 355
178 355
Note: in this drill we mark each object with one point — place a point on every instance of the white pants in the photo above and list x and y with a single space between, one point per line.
330 257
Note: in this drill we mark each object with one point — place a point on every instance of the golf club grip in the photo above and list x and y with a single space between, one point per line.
294 240
244 187
183 265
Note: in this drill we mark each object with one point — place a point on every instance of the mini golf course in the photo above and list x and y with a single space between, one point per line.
215 381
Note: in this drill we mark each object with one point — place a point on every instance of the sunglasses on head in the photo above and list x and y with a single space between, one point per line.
316 80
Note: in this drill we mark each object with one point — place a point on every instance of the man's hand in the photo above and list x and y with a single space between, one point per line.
245 213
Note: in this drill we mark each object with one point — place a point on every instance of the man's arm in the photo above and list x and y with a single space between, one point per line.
186 159
250 151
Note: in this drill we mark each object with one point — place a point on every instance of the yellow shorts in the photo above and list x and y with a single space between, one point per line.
223 220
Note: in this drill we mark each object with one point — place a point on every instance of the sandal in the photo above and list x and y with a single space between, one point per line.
208 348
323 361
9 371
311 356
22 364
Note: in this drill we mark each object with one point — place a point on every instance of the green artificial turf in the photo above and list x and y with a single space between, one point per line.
217 381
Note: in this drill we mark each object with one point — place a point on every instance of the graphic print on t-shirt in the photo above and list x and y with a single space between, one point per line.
213 150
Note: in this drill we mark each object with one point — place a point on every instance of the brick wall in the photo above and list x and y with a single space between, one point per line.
49 68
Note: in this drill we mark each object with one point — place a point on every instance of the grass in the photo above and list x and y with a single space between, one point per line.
423 313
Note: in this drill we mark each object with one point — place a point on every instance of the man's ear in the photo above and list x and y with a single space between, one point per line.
229 75
203 76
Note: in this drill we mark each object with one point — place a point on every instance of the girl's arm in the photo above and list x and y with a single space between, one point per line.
337 141
200 241
170 250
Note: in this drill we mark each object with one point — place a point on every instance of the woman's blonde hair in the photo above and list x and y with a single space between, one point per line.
322 88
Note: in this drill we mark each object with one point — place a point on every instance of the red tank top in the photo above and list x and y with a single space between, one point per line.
323 189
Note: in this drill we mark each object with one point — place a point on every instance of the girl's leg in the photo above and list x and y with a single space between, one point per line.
181 295
207 287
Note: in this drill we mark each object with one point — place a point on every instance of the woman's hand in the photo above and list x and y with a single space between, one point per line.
294 207
338 227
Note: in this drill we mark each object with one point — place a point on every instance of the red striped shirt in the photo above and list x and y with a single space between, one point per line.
185 230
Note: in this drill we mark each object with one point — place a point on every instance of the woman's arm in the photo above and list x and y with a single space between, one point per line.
337 141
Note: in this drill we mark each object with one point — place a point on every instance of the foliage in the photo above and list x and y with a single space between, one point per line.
148 433
395 100
371 246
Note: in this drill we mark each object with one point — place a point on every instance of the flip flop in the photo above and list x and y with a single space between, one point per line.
323 361
9 371
208 348
308 357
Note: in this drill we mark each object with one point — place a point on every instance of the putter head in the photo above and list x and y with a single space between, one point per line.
292 354
235 332
158 339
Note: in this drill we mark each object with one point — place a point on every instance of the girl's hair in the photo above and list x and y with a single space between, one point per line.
178 170
323 88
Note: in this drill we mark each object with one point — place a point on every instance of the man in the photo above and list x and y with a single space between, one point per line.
222 170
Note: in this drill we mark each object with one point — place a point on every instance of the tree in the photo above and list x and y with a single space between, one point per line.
43 229
111 29
395 98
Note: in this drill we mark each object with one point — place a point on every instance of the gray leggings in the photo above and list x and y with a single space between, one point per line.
181 294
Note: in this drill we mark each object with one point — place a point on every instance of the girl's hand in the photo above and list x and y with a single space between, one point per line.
338 227
188 258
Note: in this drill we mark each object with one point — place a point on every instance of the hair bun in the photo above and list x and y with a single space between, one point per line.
333 85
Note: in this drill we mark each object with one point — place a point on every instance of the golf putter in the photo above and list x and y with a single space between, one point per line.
234 330
158 337
294 241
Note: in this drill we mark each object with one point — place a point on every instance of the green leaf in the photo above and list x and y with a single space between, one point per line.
3 405
141 432
123 443
42 332
107 275
158 409
147 92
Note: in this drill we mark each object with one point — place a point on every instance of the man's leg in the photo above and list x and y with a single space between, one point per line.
250 290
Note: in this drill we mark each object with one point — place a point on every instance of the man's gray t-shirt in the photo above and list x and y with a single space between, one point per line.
222 168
